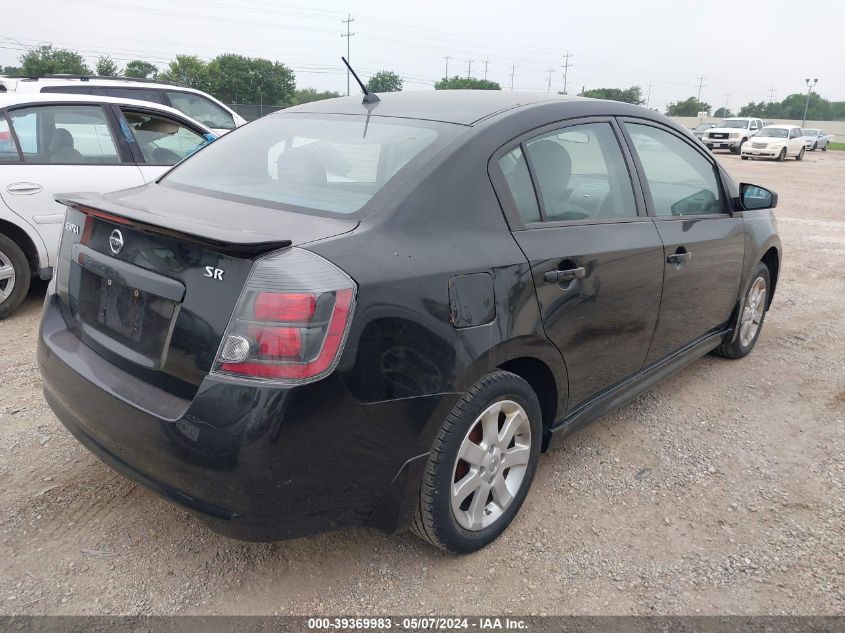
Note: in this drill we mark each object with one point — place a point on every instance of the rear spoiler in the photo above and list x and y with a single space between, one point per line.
223 239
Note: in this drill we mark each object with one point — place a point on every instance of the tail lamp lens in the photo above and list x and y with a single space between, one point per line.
291 320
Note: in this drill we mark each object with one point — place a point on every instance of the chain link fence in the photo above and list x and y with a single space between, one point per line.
251 111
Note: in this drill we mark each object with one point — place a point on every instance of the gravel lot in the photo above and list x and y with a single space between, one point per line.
721 491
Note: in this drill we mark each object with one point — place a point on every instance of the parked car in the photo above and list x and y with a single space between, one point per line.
816 139
381 314
193 103
732 133
699 130
777 142
54 143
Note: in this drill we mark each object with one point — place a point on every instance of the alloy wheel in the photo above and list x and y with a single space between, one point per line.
491 465
752 313
7 277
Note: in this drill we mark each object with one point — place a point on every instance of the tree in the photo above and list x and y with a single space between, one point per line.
634 94
10 71
236 78
465 83
385 81
140 69
48 61
307 95
722 113
189 71
688 107
107 68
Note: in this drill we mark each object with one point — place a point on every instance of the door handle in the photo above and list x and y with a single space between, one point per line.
557 276
24 187
680 256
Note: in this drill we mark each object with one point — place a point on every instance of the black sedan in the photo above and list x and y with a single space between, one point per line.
381 313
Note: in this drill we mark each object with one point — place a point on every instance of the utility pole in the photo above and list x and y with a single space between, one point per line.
486 61
513 72
648 97
700 85
771 94
469 68
348 35
447 58
550 71
727 97
566 66
810 87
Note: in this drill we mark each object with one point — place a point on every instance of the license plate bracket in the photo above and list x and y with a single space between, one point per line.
122 309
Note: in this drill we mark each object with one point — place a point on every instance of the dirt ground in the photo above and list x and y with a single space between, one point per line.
721 491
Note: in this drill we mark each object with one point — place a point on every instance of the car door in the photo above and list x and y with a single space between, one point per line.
596 258
753 128
157 139
796 140
64 147
703 244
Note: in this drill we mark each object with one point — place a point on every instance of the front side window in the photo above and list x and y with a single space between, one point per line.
515 170
326 164
581 174
202 109
681 180
65 134
8 151
162 140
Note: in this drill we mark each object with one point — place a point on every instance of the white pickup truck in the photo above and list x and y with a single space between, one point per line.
732 133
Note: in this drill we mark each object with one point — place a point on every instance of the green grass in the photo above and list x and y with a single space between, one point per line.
839 146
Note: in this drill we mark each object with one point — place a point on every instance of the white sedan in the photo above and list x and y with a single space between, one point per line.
56 143
777 142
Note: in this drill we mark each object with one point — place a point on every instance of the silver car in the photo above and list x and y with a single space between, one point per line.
816 139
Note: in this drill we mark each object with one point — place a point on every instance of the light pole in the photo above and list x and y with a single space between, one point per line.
810 87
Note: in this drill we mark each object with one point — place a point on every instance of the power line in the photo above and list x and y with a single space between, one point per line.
566 66
348 35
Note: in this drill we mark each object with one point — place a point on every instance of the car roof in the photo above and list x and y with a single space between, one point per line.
57 80
59 97
464 107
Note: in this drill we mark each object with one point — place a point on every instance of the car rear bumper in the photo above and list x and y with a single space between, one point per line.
254 463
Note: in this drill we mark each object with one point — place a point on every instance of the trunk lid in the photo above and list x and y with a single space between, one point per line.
149 277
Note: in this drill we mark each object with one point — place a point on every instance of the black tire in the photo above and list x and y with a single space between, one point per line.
11 254
815 147
734 349
782 155
435 521
824 149
801 154
744 157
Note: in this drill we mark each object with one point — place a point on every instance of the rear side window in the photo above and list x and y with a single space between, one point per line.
8 151
66 134
581 174
141 94
681 181
516 174
162 140
68 90
203 110
331 164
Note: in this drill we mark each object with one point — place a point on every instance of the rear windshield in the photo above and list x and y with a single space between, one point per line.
328 164
811 132
733 123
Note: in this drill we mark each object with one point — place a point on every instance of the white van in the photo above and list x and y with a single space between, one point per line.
194 103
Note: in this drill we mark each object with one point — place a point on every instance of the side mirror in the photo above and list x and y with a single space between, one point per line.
753 197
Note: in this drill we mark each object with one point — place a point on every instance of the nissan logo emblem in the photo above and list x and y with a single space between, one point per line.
116 241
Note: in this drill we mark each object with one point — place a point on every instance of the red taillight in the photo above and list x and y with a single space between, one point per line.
291 319
287 307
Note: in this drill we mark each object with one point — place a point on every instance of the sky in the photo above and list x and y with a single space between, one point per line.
743 48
